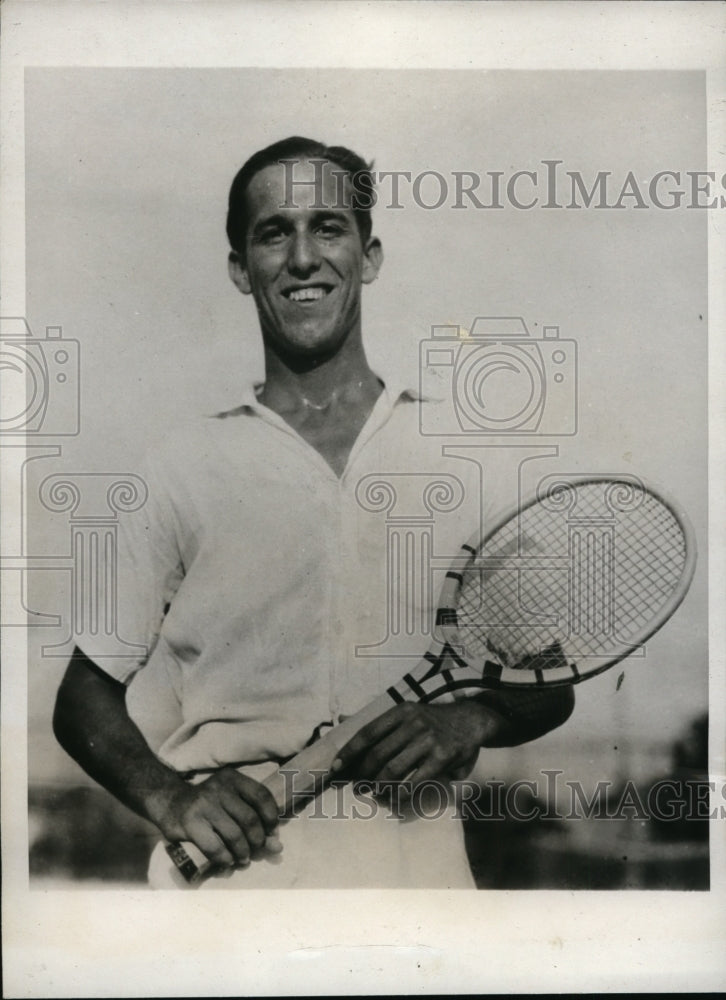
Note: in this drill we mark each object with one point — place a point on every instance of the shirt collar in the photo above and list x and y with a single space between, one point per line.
397 386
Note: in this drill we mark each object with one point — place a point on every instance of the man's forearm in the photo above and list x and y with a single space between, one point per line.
228 816
92 724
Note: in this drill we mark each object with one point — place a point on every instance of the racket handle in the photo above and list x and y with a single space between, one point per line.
191 864
309 768
301 775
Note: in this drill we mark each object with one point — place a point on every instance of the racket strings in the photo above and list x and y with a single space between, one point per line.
651 559
556 584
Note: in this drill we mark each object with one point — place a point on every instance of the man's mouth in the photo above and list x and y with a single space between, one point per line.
310 293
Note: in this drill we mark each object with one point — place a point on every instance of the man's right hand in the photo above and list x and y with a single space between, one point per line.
229 817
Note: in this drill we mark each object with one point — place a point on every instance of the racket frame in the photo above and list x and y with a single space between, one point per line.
499 675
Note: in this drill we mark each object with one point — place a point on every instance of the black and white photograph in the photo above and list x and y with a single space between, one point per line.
360 452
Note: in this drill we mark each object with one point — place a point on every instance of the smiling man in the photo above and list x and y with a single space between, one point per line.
256 579
305 263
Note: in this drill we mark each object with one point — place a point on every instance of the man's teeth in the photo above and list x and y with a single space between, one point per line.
306 294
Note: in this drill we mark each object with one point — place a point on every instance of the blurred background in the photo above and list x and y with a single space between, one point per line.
126 185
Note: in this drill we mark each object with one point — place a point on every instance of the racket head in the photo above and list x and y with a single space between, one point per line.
569 584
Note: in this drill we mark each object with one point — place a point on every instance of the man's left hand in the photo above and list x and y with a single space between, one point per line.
418 742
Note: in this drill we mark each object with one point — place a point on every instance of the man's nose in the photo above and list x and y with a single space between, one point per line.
304 253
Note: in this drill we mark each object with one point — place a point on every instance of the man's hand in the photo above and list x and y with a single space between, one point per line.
419 742
228 816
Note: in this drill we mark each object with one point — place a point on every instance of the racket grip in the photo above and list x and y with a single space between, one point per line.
301 775
190 862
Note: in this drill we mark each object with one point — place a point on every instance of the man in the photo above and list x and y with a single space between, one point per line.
256 574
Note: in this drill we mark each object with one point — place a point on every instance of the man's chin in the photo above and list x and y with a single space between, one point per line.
308 344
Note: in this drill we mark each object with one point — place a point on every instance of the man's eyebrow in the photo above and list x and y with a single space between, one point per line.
323 214
285 221
270 220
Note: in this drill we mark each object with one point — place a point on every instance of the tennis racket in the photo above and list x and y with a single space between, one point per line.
566 586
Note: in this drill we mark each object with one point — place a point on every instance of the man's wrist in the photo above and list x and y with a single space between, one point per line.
155 791
495 727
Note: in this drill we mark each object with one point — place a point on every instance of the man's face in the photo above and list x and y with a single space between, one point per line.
305 264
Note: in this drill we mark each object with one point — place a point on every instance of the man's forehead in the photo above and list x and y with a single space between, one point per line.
300 184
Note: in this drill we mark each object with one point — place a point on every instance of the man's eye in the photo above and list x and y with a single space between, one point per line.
270 236
330 229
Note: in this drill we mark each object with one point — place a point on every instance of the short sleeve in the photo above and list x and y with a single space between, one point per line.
141 580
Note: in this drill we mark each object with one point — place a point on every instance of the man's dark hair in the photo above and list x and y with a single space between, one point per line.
297 147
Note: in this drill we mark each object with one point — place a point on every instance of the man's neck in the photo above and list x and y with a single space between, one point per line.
327 404
318 387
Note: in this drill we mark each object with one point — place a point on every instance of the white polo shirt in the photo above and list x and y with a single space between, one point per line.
273 596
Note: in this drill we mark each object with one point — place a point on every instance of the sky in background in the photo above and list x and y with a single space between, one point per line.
126 185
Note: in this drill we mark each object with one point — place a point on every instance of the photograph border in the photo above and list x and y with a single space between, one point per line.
86 943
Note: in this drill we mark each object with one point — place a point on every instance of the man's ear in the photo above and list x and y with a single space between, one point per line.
372 260
238 273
